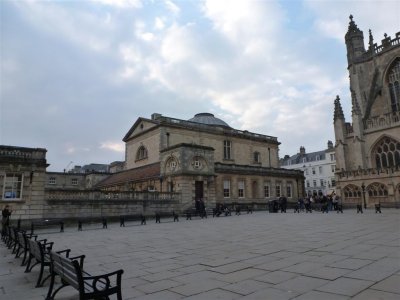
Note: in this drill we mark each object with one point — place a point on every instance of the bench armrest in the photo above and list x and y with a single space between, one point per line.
66 251
44 241
48 246
104 279
31 236
80 260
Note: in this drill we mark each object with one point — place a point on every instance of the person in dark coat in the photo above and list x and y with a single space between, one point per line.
283 204
5 220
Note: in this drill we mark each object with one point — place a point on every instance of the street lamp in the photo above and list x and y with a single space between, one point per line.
363 191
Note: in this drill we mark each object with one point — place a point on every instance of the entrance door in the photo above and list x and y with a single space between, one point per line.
198 190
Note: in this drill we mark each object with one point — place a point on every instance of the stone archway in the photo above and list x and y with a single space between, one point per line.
352 194
377 193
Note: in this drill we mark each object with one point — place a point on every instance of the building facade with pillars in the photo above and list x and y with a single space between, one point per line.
203 158
368 149
318 168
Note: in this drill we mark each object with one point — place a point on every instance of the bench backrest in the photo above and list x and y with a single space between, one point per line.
12 231
36 249
69 270
22 239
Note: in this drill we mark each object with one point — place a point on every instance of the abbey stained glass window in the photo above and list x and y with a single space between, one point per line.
394 86
387 153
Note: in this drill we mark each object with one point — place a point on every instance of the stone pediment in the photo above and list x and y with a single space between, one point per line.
140 126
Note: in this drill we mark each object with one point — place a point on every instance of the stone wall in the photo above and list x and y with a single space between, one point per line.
68 204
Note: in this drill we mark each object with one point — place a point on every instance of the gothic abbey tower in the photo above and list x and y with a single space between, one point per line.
368 149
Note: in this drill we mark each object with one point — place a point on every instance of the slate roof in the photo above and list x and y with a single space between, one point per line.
138 174
298 158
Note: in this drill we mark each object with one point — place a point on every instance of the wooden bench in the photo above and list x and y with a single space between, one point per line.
95 220
12 238
124 218
46 223
23 244
378 208
160 215
71 272
39 253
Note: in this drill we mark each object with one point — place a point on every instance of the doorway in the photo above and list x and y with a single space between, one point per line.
198 190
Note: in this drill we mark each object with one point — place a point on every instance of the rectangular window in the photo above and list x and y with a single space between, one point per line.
227 188
289 191
74 181
333 182
321 182
306 171
320 170
256 157
241 189
333 168
266 191
313 171
52 180
227 149
332 157
314 183
308 183
12 187
278 190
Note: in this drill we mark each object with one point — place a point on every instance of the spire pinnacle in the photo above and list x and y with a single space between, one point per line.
371 42
338 113
353 29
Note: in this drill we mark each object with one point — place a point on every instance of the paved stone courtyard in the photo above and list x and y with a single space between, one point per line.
258 256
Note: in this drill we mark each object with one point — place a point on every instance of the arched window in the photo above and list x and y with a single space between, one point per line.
352 193
377 190
394 86
141 153
387 153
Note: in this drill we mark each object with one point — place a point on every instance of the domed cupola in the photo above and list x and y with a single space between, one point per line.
208 119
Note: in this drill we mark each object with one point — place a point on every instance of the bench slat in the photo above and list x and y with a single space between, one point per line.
71 273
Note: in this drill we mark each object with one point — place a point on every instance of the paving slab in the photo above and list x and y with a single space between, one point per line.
390 284
345 286
257 256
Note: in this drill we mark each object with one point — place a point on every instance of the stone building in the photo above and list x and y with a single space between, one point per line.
368 149
22 180
318 168
203 158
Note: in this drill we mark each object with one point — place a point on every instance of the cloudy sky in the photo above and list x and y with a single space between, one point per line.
75 75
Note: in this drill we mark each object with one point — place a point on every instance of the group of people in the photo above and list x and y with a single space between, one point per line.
324 203
5 219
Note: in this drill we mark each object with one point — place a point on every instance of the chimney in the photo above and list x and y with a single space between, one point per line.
330 145
155 116
302 150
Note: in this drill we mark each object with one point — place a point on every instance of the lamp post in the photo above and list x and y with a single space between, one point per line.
363 191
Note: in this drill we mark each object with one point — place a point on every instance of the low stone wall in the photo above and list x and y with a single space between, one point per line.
106 208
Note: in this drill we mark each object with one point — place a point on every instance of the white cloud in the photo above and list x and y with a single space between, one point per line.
113 146
82 28
172 7
333 17
159 23
120 3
